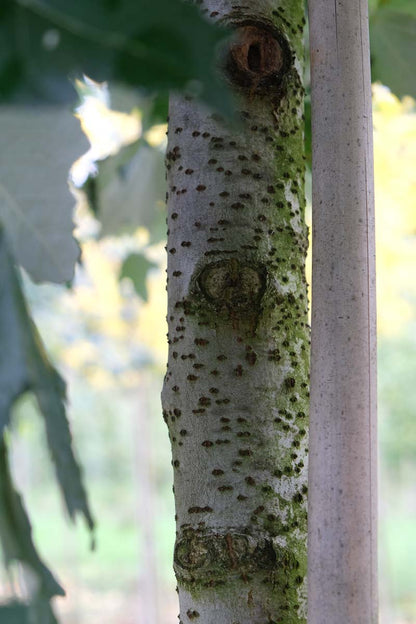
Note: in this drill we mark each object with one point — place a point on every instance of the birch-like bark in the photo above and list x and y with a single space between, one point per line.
343 479
235 396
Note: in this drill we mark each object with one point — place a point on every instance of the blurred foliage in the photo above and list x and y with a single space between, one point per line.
398 553
393 44
397 396
27 369
154 44
17 544
395 183
14 613
135 267
35 202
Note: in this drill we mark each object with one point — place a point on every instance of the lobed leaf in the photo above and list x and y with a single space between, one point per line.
27 367
17 545
36 205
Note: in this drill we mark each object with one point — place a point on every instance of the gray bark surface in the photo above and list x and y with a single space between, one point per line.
342 572
235 395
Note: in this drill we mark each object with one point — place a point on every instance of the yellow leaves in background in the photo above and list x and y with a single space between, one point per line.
119 333
98 295
152 325
107 130
395 191
156 135
395 182
118 328
113 311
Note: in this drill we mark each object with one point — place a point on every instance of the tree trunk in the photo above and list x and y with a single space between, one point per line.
235 396
343 478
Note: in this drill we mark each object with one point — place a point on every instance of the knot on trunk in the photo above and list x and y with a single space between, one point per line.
213 556
233 286
258 58
212 559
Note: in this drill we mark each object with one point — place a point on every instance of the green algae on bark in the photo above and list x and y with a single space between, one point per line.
235 396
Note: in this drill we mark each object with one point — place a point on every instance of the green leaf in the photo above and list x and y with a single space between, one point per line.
156 44
14 613
136 268
128 191
35 202
16 532
26 367
393 46
17 545
155 110
39 611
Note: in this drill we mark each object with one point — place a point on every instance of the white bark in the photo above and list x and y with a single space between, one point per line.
342 574
236 390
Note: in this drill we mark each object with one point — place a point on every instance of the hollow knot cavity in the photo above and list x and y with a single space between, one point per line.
258 58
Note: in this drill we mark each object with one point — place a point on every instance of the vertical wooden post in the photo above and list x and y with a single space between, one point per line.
342 572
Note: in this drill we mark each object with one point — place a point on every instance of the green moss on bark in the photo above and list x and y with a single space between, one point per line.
237 378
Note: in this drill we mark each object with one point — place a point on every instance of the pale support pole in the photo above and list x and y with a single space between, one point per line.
342 570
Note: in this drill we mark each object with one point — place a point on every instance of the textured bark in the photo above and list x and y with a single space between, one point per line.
235 396
343 478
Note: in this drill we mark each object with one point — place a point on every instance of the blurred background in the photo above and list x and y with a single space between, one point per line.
106 334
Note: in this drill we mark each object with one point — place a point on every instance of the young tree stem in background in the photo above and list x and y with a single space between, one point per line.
342 575
235 396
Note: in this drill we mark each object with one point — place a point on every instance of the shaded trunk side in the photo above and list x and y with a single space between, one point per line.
235 395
